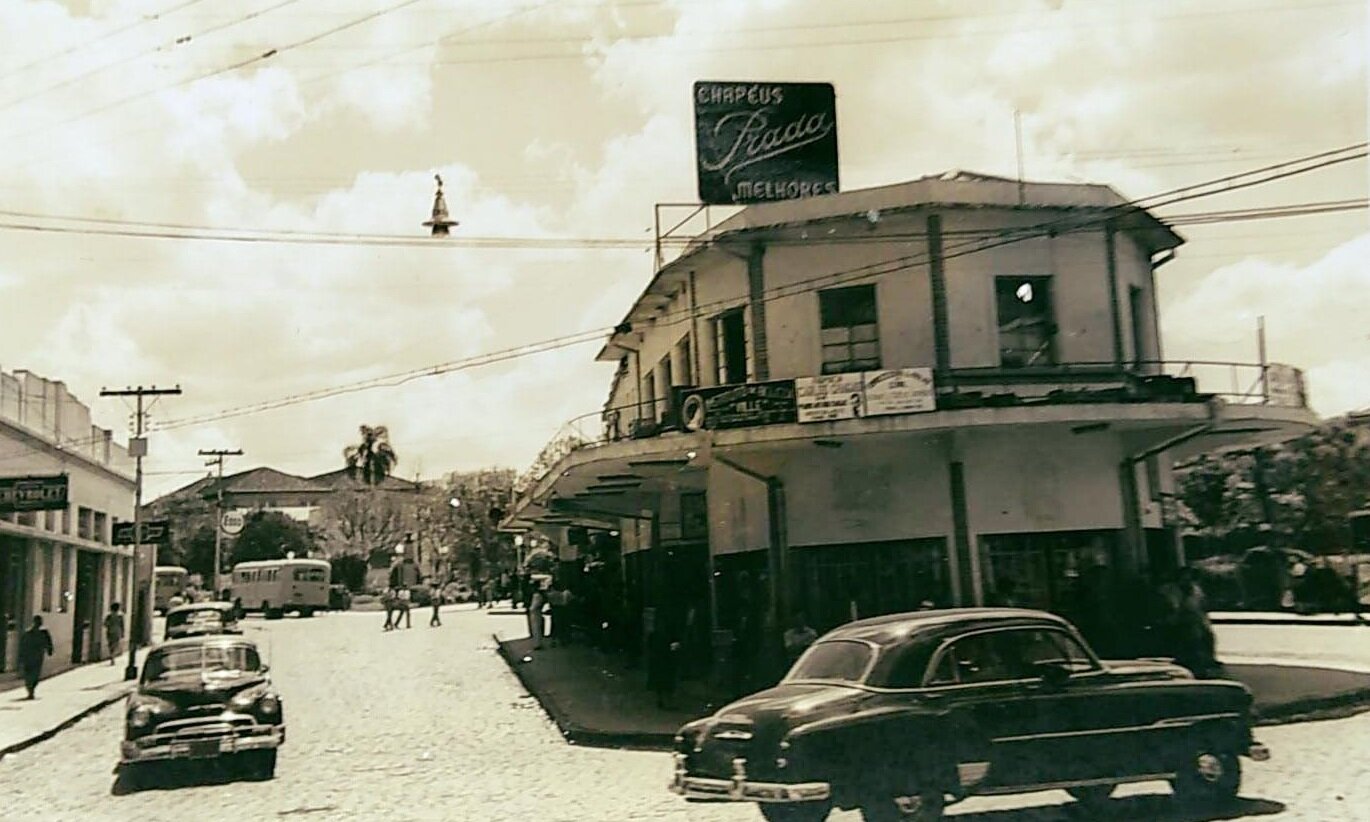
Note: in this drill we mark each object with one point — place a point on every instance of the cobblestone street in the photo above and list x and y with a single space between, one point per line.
429 724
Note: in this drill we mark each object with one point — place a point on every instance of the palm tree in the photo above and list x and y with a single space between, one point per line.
372 458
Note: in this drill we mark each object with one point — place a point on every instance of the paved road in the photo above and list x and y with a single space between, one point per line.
428 724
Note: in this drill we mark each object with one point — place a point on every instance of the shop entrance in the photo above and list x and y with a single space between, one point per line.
834 584
13 573
84 615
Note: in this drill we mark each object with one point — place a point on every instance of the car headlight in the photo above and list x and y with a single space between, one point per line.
140 716
269 704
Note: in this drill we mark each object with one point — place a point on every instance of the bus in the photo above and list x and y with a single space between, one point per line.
171 581
275 586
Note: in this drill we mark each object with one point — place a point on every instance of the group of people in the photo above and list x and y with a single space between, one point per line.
548 606
397 598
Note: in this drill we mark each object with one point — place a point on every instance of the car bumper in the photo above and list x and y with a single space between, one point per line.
202 748
741 789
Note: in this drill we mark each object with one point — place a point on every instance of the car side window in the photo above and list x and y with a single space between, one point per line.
1035 647
980 658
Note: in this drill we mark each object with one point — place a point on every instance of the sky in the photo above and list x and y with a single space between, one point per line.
571 119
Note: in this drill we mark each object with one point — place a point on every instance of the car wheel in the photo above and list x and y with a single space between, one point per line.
1092 797
796 811
923 807
271 613
306 612
1208 778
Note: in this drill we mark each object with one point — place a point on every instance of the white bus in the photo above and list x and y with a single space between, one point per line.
171 582
278 585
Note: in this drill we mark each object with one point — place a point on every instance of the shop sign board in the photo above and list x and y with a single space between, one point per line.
899 391
48 493
829 397
756 142
153 531
1283 386
765 403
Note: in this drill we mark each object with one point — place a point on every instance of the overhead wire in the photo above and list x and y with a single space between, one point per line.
1011 236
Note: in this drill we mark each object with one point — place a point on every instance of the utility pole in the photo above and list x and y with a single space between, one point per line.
138 448
218 454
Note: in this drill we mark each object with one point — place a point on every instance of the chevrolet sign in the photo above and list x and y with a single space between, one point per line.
33 493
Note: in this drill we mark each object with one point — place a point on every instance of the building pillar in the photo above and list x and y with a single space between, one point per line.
756 297
1111 266
941 337
1134 537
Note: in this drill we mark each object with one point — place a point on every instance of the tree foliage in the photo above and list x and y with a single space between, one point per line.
1297 494
469 529
372 459
271 535
358 523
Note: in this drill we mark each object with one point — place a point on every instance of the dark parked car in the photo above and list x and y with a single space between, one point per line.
339 598
897 714
202 697
201 618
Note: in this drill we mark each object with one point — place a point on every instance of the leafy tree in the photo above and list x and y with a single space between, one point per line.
372 459
469 529
271 535
359 523
349 570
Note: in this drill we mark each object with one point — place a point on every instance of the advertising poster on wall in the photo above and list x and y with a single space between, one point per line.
899 391
829 397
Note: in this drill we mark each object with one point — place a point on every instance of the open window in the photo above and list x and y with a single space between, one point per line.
1027 321
850 331
730 346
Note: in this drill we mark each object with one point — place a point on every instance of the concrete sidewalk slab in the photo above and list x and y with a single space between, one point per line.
62 700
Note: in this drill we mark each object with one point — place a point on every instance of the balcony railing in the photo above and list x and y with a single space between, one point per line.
1271 384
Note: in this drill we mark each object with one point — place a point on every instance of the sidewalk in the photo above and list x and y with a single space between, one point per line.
62 700
595 700
1284 618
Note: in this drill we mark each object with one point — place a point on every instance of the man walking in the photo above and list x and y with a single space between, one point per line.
114 631
34 645
435 592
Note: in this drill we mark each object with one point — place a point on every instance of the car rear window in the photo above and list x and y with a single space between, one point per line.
200 659
839 659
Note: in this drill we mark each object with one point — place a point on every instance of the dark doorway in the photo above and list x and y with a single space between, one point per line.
83 617
730 340
12 585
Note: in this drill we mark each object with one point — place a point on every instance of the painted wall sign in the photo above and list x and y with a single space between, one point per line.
756 142
899 391
830 397
33 493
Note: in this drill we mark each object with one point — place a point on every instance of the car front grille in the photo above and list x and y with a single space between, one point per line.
209 727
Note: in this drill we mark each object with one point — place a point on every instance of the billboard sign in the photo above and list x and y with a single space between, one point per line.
899 391
764 403
829 397
756 142
33 493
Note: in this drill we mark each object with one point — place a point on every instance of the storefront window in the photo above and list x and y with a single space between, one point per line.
840 583
1052 571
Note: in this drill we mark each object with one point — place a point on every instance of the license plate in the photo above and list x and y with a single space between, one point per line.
204 747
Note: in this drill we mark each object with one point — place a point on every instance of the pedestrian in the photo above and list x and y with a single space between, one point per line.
797 638
536 602
34 645
114 631
663 649
435 592
480 594
388 601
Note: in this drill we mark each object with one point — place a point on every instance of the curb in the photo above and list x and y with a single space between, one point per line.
1316 709
1238 620
51 732
577 734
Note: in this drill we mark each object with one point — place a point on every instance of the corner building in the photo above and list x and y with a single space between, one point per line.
950 391
61 564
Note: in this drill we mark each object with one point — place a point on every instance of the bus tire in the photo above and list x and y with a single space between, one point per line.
306 612
271 613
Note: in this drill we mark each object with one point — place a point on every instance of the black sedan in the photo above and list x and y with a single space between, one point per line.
203 697
898 714
202 618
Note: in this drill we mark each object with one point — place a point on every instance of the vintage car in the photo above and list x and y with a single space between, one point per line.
201 618
203 697
896 715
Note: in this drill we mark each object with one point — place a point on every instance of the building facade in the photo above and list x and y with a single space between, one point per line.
950 391
60 564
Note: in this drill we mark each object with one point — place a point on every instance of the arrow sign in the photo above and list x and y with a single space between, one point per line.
153 531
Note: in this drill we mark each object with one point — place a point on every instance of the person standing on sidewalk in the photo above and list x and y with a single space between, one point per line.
536 602
114 632
34 645
435 592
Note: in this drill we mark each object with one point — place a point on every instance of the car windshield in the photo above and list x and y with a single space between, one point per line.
842 660
212 660
202 617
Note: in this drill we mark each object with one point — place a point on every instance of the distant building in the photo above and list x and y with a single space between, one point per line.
267 489
59 564
950 391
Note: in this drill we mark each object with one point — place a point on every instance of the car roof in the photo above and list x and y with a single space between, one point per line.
939 624
202 606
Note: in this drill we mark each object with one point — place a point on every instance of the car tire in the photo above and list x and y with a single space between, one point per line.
261 764
795 811
924 807
1092 798
1208 778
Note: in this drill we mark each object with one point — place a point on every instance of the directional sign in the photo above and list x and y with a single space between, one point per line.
232 523
33 493
153 531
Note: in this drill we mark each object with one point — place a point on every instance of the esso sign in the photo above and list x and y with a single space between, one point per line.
232 523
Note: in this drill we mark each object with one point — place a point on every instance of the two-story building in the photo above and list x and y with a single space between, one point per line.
59 563
950 391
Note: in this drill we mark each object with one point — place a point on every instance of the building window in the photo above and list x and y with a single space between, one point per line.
85 523
665 381
687 366
730 346
99 527
1027 326
850 332
47 578
66 520
1153 478
1137 312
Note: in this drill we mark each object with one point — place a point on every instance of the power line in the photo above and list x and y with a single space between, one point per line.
1274 172
179 41
263 56
100 39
